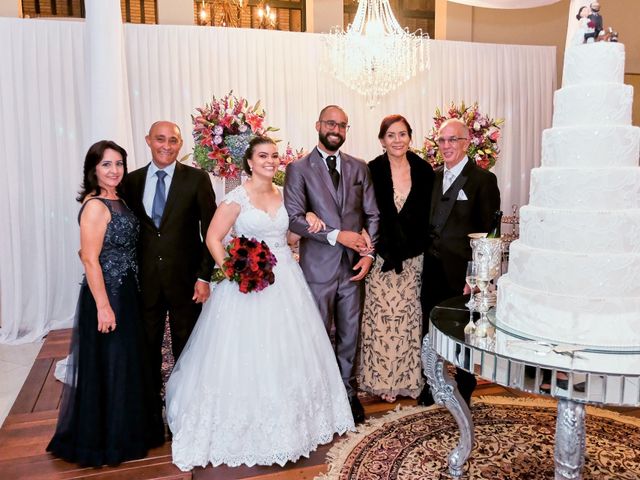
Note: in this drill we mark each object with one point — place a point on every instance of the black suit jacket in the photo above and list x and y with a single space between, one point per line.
402 234
173 256
449 232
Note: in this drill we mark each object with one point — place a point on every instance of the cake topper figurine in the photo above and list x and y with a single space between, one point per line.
611 35
590 26
580 36
595 22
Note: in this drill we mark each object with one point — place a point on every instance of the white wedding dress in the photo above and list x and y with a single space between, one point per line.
257 382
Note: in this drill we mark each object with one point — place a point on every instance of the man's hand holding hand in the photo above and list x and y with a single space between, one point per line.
352 240
201 291
364 265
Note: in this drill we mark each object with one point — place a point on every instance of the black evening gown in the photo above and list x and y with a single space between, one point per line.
106 413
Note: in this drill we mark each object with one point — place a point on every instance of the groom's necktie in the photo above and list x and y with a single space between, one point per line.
159 199
335 176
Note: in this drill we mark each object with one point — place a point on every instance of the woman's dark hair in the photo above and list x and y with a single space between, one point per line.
91 160
390 120
255 141
579 12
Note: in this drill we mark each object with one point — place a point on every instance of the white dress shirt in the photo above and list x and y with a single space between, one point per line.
457 170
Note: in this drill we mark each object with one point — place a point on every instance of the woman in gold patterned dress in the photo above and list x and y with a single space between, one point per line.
392 321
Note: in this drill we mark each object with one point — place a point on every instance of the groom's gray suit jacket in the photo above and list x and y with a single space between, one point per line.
327 268
352 207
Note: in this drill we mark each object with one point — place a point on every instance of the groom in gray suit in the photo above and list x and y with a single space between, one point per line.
337 188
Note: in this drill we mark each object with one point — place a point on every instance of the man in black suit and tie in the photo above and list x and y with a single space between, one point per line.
174 204
464 200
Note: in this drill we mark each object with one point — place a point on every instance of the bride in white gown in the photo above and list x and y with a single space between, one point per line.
257 382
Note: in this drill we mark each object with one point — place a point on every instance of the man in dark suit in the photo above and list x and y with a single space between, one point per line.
464 200
337 188
174 204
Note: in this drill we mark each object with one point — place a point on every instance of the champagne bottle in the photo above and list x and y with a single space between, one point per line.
494 231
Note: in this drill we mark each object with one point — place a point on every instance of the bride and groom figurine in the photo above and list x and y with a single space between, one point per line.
590 28
593 22
258 381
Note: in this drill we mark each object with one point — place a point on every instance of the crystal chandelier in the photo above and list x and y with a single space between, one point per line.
266 17
376 55
229 12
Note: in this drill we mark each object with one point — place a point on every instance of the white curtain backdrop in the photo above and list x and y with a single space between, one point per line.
506 3
107 78
43 118
173 69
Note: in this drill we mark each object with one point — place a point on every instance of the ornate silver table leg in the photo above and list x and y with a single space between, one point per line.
445 392
570 440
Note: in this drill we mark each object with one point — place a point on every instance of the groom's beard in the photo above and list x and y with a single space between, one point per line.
333 144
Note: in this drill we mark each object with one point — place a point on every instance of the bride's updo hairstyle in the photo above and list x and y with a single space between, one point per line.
255 141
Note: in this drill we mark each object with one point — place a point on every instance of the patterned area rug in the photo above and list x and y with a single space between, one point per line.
514 439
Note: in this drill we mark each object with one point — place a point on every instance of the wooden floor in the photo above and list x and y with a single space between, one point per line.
31 423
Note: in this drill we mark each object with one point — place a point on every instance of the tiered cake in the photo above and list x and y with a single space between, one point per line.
574 274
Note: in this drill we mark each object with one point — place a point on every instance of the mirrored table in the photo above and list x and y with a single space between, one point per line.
572 374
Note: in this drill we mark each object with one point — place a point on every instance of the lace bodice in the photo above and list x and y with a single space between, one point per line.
118 254
254 222
399 199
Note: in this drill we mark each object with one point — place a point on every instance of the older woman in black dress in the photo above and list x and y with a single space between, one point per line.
391 329
104 415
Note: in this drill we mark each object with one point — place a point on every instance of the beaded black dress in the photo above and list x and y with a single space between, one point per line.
105 415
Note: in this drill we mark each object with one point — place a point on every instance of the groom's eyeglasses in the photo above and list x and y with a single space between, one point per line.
331 124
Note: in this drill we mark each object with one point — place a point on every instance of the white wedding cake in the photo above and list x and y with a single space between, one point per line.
574 274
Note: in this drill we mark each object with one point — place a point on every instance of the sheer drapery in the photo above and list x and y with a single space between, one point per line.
172 70
285 71
105 58
506 3
43 119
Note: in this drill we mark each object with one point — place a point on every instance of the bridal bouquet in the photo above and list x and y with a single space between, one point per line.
289 156
250 264
222 131
484 133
